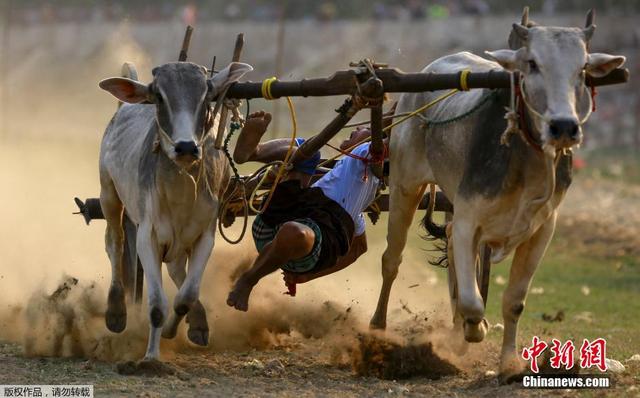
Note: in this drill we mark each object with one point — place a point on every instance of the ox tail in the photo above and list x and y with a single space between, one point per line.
435 233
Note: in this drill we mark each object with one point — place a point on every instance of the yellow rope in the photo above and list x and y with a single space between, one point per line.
389 127
464 84
266 87
283 166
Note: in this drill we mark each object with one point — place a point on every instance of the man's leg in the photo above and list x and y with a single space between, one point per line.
254 128
248 147
292 242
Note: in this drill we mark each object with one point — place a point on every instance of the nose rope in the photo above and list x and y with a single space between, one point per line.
545 119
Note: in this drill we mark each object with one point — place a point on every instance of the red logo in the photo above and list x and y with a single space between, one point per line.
532 353
592 353
562 354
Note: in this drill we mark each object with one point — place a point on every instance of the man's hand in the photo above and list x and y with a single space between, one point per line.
292 278
358 247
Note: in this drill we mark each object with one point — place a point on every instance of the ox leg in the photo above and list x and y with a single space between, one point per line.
196 317
470 304
403 205
525 261
460 345
186 300
116 315
178 273
149 254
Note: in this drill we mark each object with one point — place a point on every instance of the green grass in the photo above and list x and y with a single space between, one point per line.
618 164
614 300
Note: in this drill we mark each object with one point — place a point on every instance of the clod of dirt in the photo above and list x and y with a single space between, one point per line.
558 317
151 368
389 360
274 368
614 366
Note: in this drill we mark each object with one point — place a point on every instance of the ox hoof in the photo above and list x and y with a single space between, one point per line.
198 327
475 332
511 376
116 315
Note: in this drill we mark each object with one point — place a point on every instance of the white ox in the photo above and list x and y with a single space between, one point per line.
505 196
158 162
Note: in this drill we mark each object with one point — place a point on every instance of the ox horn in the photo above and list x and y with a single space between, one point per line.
525 16
520 32
590 27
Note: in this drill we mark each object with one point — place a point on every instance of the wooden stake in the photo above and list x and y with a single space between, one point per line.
222 123
185 44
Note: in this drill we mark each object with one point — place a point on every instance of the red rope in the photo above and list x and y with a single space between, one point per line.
594 92
374 159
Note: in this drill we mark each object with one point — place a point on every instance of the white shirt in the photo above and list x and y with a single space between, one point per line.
346 185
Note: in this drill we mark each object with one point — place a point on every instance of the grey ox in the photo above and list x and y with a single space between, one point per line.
505 195
158 162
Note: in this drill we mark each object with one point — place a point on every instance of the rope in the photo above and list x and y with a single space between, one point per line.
233 127
464 74
392 125
266 88
466 114
287 158
545 119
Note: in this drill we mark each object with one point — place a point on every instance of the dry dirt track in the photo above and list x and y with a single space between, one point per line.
293 370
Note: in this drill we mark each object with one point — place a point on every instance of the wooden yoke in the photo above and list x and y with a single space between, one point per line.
375 97
313 144
368 92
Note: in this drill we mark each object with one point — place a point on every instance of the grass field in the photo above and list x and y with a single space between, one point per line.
610 310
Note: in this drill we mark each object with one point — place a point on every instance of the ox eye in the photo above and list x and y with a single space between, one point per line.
533 67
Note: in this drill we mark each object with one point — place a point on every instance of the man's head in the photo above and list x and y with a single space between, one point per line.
357 136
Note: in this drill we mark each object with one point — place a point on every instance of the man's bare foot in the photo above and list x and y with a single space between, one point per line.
254 128
239 296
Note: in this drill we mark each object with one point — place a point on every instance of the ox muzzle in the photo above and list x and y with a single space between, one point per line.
564 133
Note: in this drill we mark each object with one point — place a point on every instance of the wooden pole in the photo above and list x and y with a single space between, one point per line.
279 65
222 124
185 44
395 81
4 70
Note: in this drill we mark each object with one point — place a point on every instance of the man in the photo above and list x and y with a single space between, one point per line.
312 231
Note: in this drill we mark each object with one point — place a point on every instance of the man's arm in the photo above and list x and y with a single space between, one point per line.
358 247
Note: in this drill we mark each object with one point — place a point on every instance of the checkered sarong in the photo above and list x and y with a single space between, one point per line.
263 234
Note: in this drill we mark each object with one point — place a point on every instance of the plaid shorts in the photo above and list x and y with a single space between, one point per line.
263 234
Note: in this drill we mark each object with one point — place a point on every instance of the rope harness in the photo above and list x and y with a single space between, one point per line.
516 123
520 105
239 189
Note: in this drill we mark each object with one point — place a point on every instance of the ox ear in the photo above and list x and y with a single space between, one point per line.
228 75
508 59
599 64
126 90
